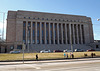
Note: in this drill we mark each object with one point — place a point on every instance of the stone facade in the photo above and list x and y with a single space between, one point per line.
48 30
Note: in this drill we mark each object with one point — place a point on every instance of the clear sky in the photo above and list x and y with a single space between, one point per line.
90 8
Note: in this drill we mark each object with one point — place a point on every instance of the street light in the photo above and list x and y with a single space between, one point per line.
23 51
98 19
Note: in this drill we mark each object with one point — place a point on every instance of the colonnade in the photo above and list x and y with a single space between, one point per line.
53 33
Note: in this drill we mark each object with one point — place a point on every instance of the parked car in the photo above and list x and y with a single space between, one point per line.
78 50
57 51
17 51
45 51
65 50
69 50
90 50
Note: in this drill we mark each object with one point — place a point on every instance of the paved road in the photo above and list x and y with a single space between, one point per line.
61 65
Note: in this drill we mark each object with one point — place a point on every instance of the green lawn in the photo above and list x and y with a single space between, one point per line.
31 56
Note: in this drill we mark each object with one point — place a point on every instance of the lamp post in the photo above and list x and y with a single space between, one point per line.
23 51
3 25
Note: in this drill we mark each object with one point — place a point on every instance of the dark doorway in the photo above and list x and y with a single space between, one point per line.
97 46
19 46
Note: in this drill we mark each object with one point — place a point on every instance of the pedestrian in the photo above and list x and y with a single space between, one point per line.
67 56
36 57
64 55
72 55
92 55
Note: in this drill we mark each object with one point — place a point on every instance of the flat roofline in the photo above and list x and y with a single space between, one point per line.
51 13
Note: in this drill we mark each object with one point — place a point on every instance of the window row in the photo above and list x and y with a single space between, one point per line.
56 19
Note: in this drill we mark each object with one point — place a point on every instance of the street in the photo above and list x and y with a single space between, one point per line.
88 64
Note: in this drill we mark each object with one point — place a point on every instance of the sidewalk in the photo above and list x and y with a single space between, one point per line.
47 61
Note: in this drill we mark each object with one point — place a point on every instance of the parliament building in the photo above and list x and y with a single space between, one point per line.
40 30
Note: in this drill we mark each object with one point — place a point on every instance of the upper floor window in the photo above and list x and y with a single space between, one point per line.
24 17
29 17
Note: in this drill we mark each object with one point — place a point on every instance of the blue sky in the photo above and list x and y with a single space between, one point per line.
90 8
